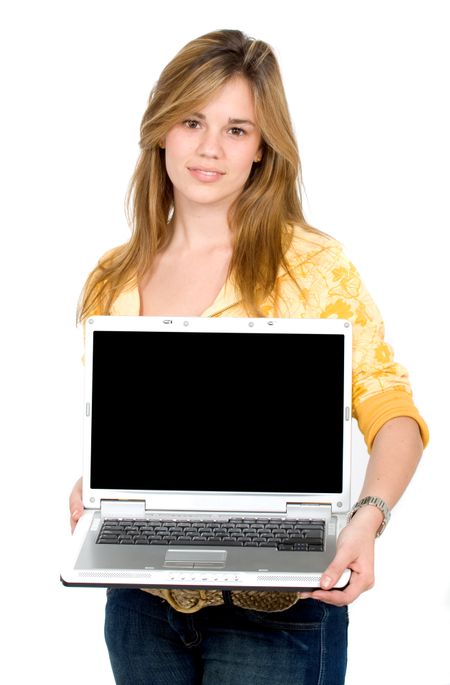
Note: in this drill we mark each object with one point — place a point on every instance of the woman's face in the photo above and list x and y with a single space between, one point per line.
209 154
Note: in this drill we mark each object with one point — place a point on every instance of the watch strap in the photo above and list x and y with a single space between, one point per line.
370 500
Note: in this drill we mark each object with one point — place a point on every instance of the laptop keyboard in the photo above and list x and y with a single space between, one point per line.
284 535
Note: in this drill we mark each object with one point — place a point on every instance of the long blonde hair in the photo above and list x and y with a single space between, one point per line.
261 219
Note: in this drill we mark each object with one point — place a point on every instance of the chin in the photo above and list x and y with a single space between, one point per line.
207 197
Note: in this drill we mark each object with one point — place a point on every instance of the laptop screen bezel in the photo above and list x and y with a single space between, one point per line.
167 500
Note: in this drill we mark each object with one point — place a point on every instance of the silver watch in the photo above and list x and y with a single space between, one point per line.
375 502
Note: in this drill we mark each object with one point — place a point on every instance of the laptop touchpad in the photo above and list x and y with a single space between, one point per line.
191 558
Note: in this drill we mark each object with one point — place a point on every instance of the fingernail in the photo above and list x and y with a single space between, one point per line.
304 595
325 582
75 513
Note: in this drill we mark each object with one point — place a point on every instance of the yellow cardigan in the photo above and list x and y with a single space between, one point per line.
330 287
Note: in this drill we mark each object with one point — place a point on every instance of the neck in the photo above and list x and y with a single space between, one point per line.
200 228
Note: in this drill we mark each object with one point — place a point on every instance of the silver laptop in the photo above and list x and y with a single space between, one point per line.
216 452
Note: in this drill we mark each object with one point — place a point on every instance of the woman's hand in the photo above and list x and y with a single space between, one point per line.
76 504
355 550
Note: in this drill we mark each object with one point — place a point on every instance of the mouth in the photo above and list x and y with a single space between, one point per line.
204 174
205 170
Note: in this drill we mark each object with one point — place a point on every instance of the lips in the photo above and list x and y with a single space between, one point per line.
205 170
206 175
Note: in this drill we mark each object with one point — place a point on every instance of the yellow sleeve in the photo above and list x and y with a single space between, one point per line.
381 388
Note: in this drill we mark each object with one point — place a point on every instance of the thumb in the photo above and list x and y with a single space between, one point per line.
335 570
75 504
75 517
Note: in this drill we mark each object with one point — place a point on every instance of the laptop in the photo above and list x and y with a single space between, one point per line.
216 452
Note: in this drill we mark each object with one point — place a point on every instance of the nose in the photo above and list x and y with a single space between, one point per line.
210 144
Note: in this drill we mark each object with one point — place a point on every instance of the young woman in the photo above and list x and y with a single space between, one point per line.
218 230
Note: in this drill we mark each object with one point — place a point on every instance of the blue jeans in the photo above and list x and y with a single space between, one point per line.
150 643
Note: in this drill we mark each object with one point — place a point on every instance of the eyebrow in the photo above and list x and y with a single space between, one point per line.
199 115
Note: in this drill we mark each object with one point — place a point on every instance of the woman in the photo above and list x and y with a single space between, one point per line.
218 230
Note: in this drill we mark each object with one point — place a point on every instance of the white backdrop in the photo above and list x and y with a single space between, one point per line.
367 84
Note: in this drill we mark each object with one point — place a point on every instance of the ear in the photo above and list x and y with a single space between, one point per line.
259 154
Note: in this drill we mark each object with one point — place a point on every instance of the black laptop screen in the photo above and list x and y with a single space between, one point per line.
235 412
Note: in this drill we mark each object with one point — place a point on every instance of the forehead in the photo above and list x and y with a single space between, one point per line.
234 99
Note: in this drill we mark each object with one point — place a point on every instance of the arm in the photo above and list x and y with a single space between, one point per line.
395 455
396 451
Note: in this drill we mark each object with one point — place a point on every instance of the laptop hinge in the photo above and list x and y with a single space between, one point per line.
128 509
308 511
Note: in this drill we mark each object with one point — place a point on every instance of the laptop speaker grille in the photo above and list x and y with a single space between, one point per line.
289 579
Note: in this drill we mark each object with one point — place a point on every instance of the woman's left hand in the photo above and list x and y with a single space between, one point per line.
355 550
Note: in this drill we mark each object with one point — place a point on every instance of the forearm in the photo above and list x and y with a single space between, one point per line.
395 454
396 451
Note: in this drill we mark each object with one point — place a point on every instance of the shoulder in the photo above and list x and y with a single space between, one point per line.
115 270
105 282
313 247
111 256
331 284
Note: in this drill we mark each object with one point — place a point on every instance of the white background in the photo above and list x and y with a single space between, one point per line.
367 84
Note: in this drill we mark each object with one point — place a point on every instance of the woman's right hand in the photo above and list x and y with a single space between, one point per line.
76 503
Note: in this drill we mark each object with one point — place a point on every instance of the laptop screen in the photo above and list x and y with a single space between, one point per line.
222 411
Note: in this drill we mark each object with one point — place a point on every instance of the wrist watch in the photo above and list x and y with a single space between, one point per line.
375 502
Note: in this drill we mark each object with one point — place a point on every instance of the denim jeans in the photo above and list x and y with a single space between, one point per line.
150 643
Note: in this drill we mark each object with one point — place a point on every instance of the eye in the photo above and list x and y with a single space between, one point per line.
238 131
191 123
